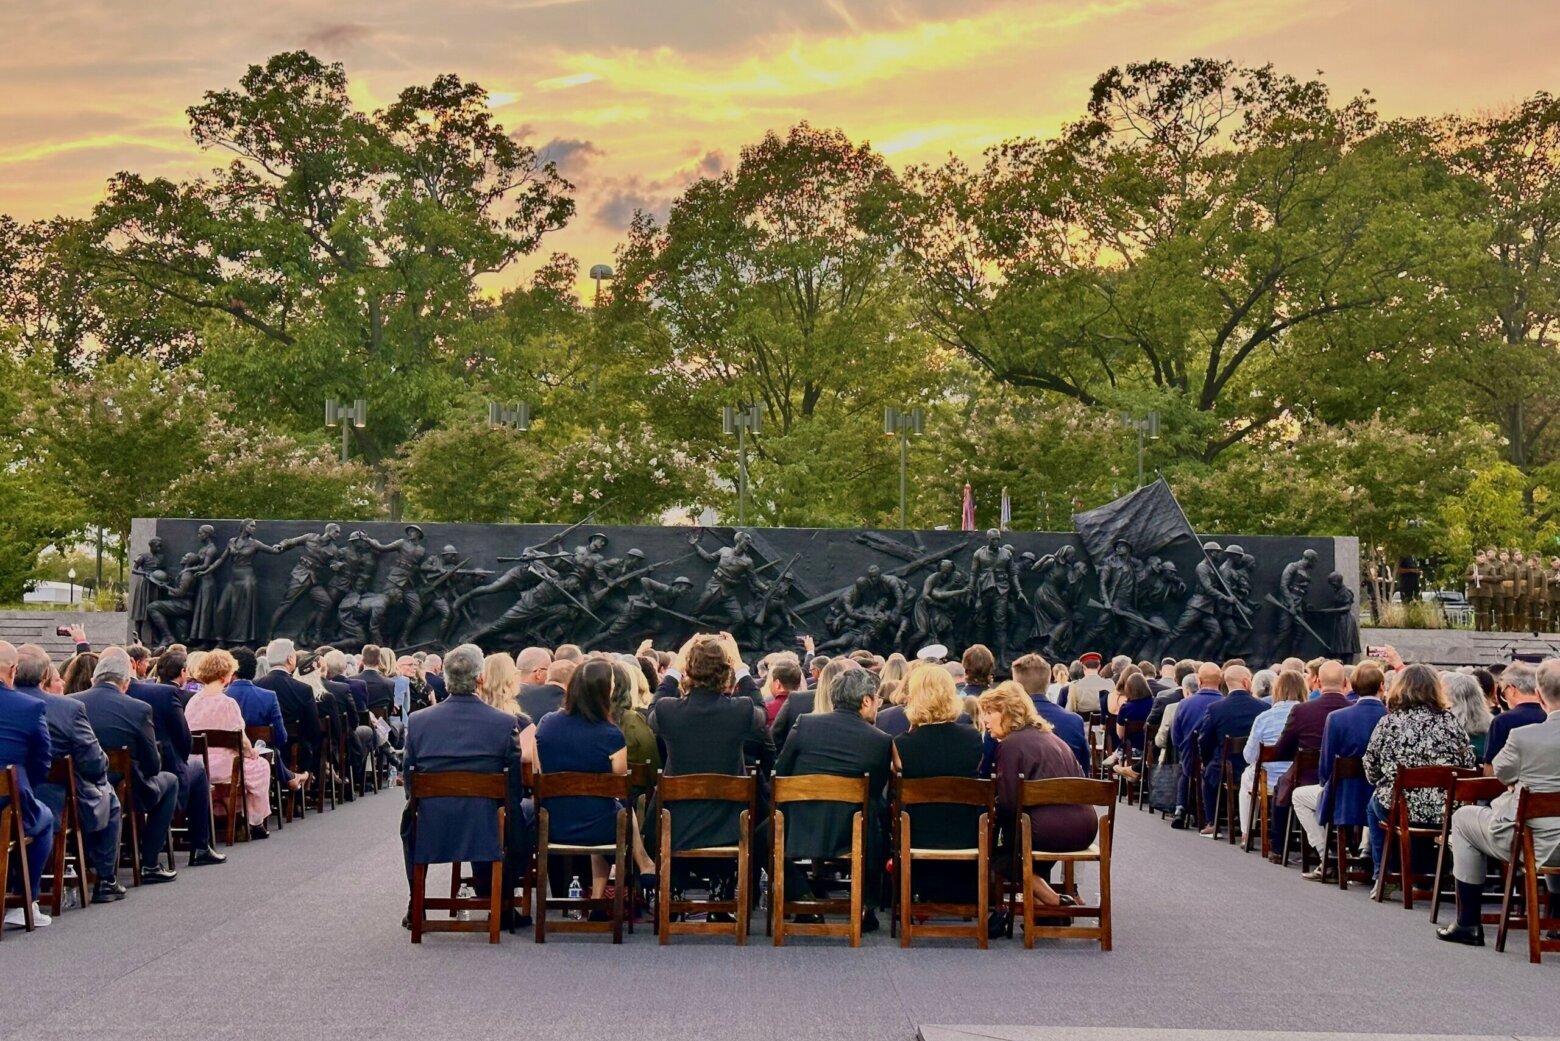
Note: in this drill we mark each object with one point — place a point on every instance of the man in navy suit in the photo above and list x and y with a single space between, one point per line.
433 674
463 733
347 712
1349 802
70 734
538 699
24 744
1230 716
120 721
1033 674
173 742
1183 732
380 689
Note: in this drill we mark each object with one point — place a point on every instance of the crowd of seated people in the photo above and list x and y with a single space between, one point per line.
704 709
164 710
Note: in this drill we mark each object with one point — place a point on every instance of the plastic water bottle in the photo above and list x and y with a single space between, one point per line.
575 893
763 887
466 893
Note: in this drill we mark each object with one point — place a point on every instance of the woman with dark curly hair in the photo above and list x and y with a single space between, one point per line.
979 664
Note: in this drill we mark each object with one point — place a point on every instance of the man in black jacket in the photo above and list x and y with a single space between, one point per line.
120 721
381 689
843 743
538 699
296 698
345 719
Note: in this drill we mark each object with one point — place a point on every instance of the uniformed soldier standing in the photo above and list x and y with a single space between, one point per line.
1538 598
1505 590
1481 593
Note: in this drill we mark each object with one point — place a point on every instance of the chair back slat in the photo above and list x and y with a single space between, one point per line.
710 787
1067 791
1476 789
466 784
260 733
820 788
1348 768
1267 754
232 740
1308 759
562 785
62 771
9 783
1419 778
947 791
1533 805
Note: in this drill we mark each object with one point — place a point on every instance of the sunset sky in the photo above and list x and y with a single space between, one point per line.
635 98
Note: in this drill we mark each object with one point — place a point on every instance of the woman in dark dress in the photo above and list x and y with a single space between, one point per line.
1137 701
581 738
1027 750
937 745
979 664
891 719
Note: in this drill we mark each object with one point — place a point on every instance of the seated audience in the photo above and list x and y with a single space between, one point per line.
891 719
77 672
1528 759
1229 717
1419 729
299 708
1030 672
70 734
212 709
120 721
25 744
1288 691
1303 732
1467 703
1345 732
785 679
1519 688
461 733
260 708
841 741
936 745
1027 750
1183 732
979 664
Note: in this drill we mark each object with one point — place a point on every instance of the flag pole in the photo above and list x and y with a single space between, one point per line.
1214 567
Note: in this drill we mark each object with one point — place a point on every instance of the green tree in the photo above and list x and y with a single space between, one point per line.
249 471
338 254
33 512
1224 244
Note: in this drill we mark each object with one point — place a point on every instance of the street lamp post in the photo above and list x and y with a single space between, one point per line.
601 273
71 574
347 417
517 416
1147 430
903 424
740 422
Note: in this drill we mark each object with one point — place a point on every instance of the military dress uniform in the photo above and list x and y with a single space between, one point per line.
1481 594
1538 595
1505 584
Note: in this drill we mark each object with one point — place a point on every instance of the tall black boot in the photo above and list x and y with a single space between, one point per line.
1469 928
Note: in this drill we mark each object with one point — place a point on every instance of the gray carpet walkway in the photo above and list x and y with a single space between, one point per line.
299 937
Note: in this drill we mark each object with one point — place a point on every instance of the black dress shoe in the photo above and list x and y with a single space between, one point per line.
157 874
258 832
808 919
406 921
106 892
869 922
1178 823
996 925
1472 935
202 857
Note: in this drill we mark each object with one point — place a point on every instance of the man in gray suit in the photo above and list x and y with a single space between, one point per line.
1530 759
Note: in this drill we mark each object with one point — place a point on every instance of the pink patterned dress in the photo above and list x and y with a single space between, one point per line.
211 709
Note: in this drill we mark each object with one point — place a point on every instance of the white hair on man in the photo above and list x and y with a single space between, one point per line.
461 668
281 654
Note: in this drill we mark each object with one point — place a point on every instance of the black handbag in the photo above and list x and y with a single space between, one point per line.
1164 784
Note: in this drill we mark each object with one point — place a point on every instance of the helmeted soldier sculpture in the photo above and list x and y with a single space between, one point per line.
445 578
1235 615
1118 603
642 610
542 591
309 578
993 583
734 572
1201 617
405 575
1058 599
1160 587
1294 585
870 611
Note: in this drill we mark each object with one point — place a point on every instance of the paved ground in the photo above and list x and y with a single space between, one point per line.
300 937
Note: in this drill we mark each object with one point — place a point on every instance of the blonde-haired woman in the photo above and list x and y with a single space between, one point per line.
895 668
823 700
937 745
212 709
499 682
1027 750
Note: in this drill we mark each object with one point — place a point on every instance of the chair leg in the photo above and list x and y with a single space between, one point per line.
543 892
777 881
858 881
496 901
902 864
663 913
1535 909
1508 893
744 882
419 900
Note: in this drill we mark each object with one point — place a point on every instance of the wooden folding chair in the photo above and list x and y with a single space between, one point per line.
1150 755
1134 746
1401 830
1226 799
1067 791
1342 838
1194 804
1531 806
944 791
325 790
267 734
1464 791
1306 760
567 785
819 788
1095 737
1261 800
457 784
742 791
69 844
15 844
120 766
229 795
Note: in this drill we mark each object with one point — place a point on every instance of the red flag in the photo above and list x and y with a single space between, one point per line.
967 520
